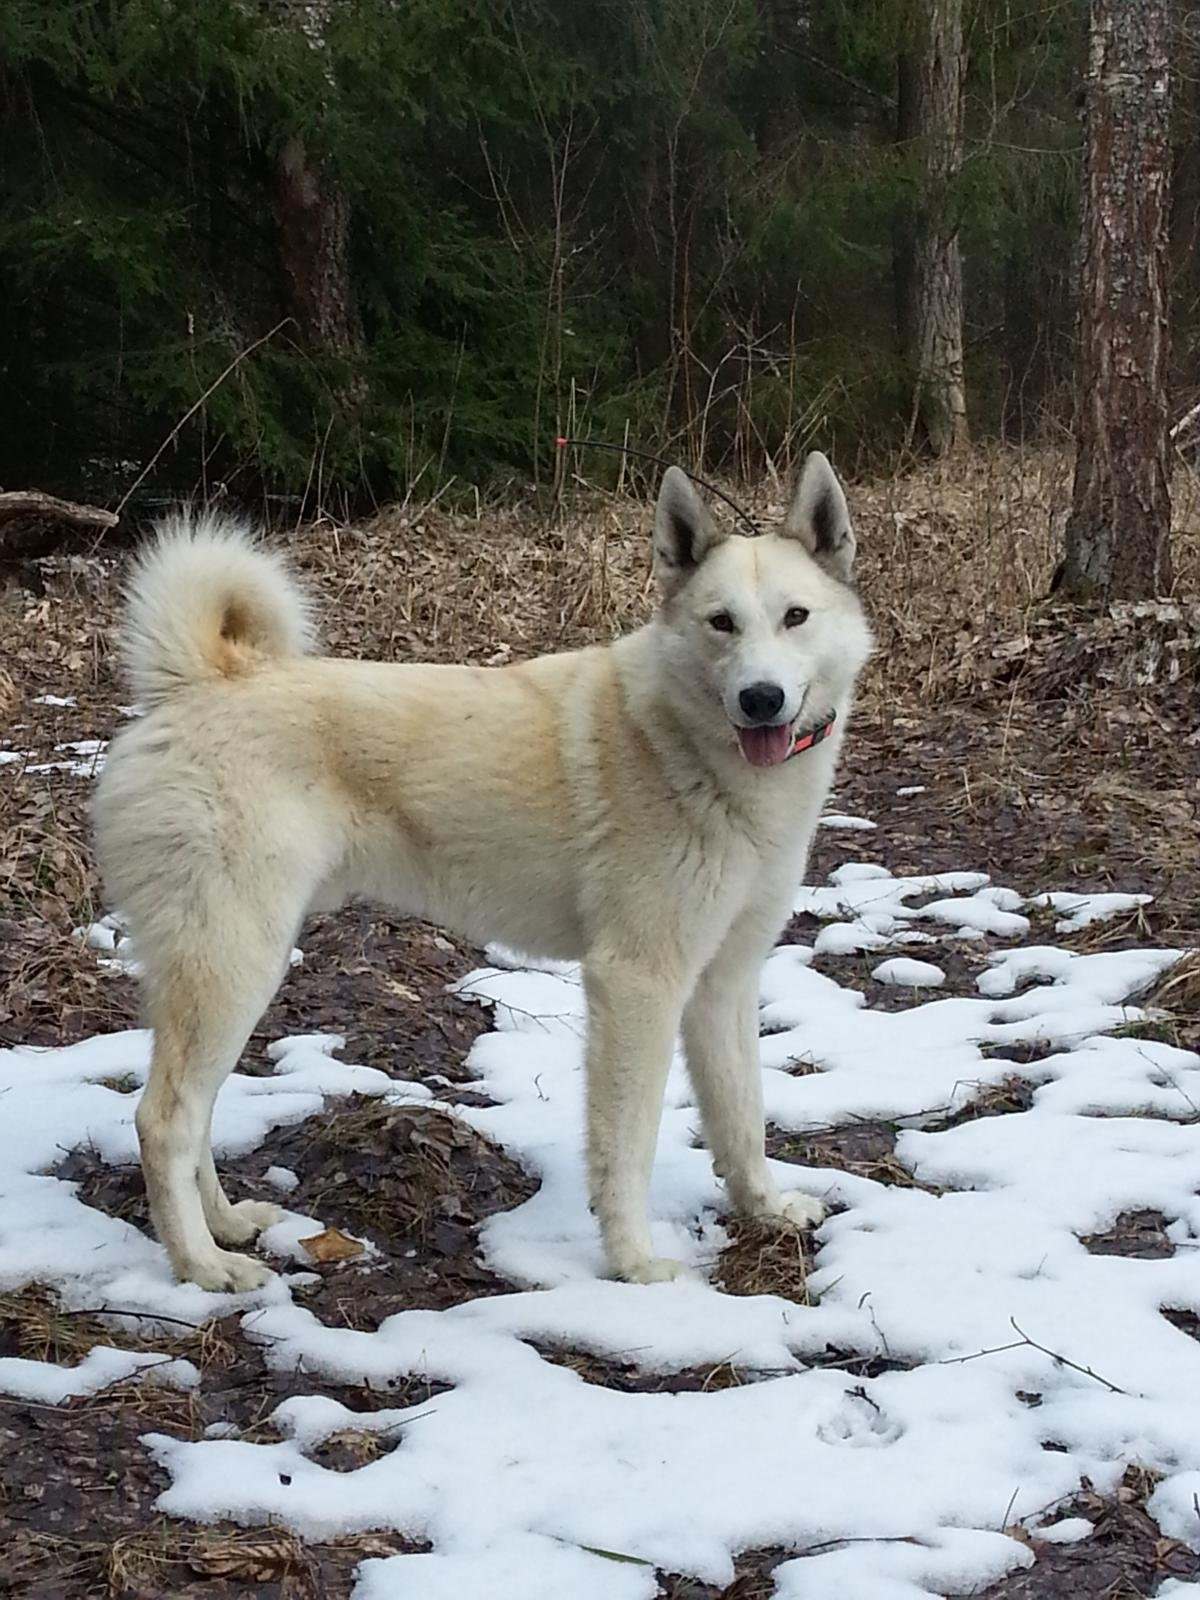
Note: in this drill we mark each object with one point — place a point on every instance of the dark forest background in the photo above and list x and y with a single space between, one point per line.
428 237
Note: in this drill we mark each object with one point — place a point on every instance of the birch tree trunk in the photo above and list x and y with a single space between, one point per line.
929 264
1118 533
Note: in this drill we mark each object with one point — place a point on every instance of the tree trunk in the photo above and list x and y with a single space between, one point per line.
928 263
1118 533
313 221
781 28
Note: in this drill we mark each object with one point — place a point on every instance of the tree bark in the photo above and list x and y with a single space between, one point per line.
1118 533
928 261
312 217
16 504
313 221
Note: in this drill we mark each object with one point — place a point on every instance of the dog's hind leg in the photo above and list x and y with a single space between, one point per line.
202 1006
633 1016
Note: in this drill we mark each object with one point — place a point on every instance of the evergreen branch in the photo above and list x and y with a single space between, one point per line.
191 412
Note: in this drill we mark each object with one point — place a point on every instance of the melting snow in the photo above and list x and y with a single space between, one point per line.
87 763
909 974
526 1479
1081 909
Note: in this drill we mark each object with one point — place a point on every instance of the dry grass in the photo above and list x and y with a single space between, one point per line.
765 1258
954 562
1178 991
352 1448
1172 1006
624 1375
1009 1097
38 1327
154 1560
943 547
864 1149
447 587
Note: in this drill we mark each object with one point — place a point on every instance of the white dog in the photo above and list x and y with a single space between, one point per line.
645 808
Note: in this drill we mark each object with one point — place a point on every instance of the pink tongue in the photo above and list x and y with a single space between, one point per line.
765 747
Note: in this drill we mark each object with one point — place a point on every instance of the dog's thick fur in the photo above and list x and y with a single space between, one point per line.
596 805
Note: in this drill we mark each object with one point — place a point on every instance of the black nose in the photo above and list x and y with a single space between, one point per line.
761 702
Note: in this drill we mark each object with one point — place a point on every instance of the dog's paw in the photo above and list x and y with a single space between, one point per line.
653 1269
801 1210
240 1223
226 1273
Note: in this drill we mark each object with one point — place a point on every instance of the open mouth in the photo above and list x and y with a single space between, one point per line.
765 747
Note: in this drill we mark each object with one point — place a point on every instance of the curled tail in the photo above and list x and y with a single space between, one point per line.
205 602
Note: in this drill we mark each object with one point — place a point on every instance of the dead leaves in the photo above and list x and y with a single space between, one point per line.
1131 646
1124 1553
406 1175
333 1245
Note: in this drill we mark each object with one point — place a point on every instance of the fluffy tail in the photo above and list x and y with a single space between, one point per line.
205 602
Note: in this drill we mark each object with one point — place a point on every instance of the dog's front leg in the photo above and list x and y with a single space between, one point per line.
633 1017
720 1033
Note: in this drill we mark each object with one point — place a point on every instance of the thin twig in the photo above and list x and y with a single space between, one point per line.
1186 420
1008 1508
977 1355
838 1544
130 1377
1025 1342
188 415
649 455
116 1311
1074 1365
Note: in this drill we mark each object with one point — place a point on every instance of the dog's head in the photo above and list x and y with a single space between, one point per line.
766 633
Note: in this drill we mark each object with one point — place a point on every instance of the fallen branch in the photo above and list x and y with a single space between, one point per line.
22 505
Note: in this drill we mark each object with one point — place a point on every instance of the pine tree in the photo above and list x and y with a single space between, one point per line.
1118 533
930 126
313 219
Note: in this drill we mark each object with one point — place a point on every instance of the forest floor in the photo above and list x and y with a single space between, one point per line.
1021 1145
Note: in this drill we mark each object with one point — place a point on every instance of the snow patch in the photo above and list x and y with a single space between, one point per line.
906 973
532 1483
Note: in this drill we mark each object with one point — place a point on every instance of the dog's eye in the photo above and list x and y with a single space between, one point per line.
794 616
721 621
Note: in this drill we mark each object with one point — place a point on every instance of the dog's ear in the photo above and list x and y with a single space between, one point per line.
684 532
820 517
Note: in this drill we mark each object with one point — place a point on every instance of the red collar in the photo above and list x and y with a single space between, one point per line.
809 738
